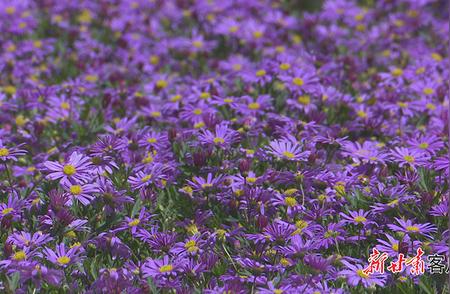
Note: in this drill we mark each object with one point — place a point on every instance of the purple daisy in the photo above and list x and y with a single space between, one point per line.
10 153
61 256
355 275
223 137
412 157
285 149
165 267
76 170
410 228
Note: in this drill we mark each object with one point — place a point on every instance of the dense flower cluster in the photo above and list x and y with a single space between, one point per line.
221 146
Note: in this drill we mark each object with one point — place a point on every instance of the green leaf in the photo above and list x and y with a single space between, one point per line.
136 207
13 281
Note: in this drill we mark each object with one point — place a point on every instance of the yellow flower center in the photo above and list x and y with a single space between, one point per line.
304 99
428 91
161 84
175 98
298 81
340 189
187 189
261 73
191 246
290 201
152 140
361 27
134 222
396 72
63 260
280 49
206 185
20 255
285 66
91 78
409 158
257 34
146 178
424 145
197 44
431 106
233 29
436 56
218 140
278 291
148 159
250 179
420 70
359 17
4 152
156 114
412 228
288 154
254 106
228 100
154 59
205 95
65 105
285 262
199 125
190 243
166 268
362 114
85 16
7 210
69 170
198 111
360 219
10 10
20 120
362 274
237 67
395 247
76 189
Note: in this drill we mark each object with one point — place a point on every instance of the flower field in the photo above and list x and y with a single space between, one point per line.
206 146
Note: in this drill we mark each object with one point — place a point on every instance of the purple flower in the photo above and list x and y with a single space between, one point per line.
285 149
165 267
360 217
24 239
412 229
61 256
223 137
39 273
111 198
199 184
82 192
368 152
153 174
10 153
411 157
77 170
355 276
135 223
